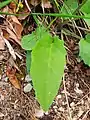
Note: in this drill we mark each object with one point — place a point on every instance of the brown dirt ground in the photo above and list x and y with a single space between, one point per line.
71 103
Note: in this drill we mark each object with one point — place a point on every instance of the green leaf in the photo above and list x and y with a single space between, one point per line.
87 37
87 20
29 41
47 68
84 46
4 3
86 7
69 6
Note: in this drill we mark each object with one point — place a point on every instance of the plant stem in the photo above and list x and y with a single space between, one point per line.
48 14
61 15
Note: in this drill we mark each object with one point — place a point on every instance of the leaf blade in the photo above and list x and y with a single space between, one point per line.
29 41
69 6
45 70
84 46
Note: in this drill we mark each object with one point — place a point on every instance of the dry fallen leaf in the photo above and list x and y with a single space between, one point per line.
5 34
25 13
46 4
14 27
34 2
13 64
13 6
2 43
17 26
11 50
13 36
12 78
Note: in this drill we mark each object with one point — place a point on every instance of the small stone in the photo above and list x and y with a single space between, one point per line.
39 113
1 114
46 113
28 78
55 107
82 101
58 97
72 104
61 109
28 88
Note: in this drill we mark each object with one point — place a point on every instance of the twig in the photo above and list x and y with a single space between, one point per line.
80 27
82 99
27 5
84 117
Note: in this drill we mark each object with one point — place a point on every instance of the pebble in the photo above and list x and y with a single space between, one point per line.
28 88
39 113
28 78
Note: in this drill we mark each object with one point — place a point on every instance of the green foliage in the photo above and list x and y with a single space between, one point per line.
69 6
47 64
87 20
85 9
47 68
47 59
84 46
29 41
4 3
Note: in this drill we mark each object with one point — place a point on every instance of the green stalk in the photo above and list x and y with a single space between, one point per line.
61 15
49 14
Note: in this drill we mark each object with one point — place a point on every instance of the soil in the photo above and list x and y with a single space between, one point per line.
71 103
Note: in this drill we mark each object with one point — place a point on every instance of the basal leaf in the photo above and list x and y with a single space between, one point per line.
84 46
29 41
47 68
69 6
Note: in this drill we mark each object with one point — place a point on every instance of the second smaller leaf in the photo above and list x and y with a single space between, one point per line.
84 46
29 41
